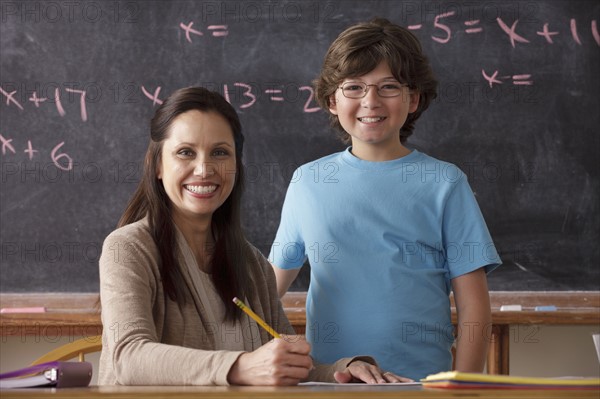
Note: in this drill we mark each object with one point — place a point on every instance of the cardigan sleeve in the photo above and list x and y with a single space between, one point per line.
132 352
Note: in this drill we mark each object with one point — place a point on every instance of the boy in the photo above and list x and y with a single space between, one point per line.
387 230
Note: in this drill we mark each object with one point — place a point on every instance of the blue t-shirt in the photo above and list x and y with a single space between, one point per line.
383 240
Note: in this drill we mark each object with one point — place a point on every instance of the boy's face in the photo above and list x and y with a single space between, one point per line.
374 121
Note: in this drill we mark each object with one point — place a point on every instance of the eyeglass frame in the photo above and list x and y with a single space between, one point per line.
366 90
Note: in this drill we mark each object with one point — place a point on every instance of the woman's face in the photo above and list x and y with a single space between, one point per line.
198 164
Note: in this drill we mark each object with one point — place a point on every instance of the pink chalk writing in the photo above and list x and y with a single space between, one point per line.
6 144
244 95
275 91
83 111
547 34
217 30
60 159
595 32
59 107
188 29
10 98
511 32
226 93
491 79
153 97
472 26
57 157
522 79
57 100
36 100
445 28
311 96
29 150
247 93
574 31
519 80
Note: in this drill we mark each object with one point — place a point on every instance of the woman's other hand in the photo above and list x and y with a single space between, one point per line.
360 371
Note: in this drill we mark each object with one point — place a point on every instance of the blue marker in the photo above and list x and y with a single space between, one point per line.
547 308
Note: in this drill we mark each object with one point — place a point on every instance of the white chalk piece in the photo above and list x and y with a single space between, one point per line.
511 308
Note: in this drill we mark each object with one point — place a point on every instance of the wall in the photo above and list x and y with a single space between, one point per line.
550 351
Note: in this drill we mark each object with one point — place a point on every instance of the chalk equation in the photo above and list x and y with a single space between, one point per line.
245 95
240 94
216 30
11 99
518 80
60 159
444 31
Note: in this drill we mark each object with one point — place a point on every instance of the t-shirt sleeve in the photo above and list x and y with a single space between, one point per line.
288 250
468 244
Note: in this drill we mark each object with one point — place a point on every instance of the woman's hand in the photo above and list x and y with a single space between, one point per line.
360 371
284 361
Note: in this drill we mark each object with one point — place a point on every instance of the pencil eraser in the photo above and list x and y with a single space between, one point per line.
511 308
546 308
33 309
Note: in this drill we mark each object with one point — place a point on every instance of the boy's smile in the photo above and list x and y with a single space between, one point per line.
374 121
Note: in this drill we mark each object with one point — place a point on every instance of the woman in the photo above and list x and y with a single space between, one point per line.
169 272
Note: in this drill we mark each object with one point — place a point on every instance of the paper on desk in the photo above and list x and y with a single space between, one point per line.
362 384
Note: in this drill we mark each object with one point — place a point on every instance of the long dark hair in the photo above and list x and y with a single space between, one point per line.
230 276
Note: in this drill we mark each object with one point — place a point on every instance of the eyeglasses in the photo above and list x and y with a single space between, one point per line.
360 89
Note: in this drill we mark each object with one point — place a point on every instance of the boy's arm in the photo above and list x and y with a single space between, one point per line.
284 277
472 301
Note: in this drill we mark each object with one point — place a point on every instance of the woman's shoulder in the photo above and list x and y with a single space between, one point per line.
130 245
136 233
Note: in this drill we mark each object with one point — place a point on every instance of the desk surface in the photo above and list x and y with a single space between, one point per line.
310 392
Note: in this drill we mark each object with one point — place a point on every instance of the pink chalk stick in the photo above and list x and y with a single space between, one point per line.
33 309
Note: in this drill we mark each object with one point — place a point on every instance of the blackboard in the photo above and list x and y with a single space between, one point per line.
517 110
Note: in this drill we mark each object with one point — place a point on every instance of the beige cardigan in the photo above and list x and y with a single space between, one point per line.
149 341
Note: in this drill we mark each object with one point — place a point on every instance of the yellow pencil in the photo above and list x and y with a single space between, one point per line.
256 318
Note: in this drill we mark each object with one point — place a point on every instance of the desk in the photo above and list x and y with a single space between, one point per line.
75 314
309 392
